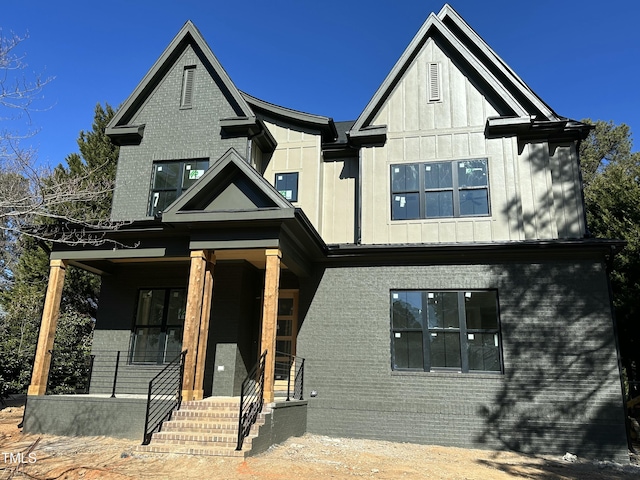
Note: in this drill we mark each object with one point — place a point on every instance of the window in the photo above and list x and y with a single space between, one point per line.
439 189
287 185
170 179
186 96
445 330
157 334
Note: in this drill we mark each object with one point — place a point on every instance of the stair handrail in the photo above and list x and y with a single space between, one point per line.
251 399
295 365
165 385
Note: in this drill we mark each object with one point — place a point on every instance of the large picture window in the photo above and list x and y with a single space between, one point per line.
449 330
439 189
170 179
157 333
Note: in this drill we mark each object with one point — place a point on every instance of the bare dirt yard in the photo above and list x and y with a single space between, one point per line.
310 457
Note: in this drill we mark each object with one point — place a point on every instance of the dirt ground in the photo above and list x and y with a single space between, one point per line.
310 457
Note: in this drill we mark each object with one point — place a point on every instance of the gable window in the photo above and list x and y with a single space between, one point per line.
186 96
170 179
445 330
458 188
157 333
287 185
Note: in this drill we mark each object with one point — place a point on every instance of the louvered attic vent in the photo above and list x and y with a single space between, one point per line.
434 82
186 98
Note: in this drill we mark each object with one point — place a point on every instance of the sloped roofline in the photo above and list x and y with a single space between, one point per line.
436 22
448 13
325 124
188 34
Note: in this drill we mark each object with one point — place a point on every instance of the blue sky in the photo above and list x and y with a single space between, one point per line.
326 57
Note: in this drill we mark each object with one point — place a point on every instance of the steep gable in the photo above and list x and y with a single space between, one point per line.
187 38
186 108
446 37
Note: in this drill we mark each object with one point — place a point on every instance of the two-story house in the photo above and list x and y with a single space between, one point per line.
430 261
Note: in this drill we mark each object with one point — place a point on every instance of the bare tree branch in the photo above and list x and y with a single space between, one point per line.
36 200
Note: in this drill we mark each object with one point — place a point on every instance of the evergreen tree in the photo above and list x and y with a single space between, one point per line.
611 175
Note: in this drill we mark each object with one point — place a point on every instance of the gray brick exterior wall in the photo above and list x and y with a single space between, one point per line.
75 415
560 390
172 133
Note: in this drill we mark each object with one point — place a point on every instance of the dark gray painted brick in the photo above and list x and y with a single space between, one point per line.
560 390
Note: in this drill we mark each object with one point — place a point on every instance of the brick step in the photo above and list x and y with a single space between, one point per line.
205 415
199 404
192 450
210 441
212 408
205 428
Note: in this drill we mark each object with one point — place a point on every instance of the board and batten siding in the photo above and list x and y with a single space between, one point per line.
339 205
532 195
299 151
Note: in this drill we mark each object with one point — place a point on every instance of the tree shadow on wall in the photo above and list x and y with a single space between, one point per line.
561 389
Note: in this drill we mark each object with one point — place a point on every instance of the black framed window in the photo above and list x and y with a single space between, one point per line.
445 330
170 179
287 185
157 333
456 188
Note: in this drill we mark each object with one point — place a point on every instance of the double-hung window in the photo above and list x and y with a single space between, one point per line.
445 330
170 179
457 188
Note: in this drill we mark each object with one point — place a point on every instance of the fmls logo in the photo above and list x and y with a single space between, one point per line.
19 458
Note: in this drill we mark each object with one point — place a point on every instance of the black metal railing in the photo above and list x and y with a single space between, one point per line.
251 400
69 371
165 395
289 376
107 372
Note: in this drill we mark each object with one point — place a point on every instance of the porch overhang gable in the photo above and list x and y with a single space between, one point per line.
231 190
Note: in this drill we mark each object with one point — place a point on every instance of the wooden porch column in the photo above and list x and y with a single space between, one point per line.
50 314
198 390
197 273
270 318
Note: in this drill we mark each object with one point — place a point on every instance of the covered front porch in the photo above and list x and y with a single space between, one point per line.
215 278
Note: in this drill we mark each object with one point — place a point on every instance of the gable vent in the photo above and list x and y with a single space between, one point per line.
434 82
186 98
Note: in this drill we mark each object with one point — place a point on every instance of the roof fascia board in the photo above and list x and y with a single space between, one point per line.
251 127
188 33
474 252
109 254
230 216
409 55
448 12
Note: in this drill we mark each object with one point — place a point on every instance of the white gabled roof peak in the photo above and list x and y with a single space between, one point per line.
494 72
